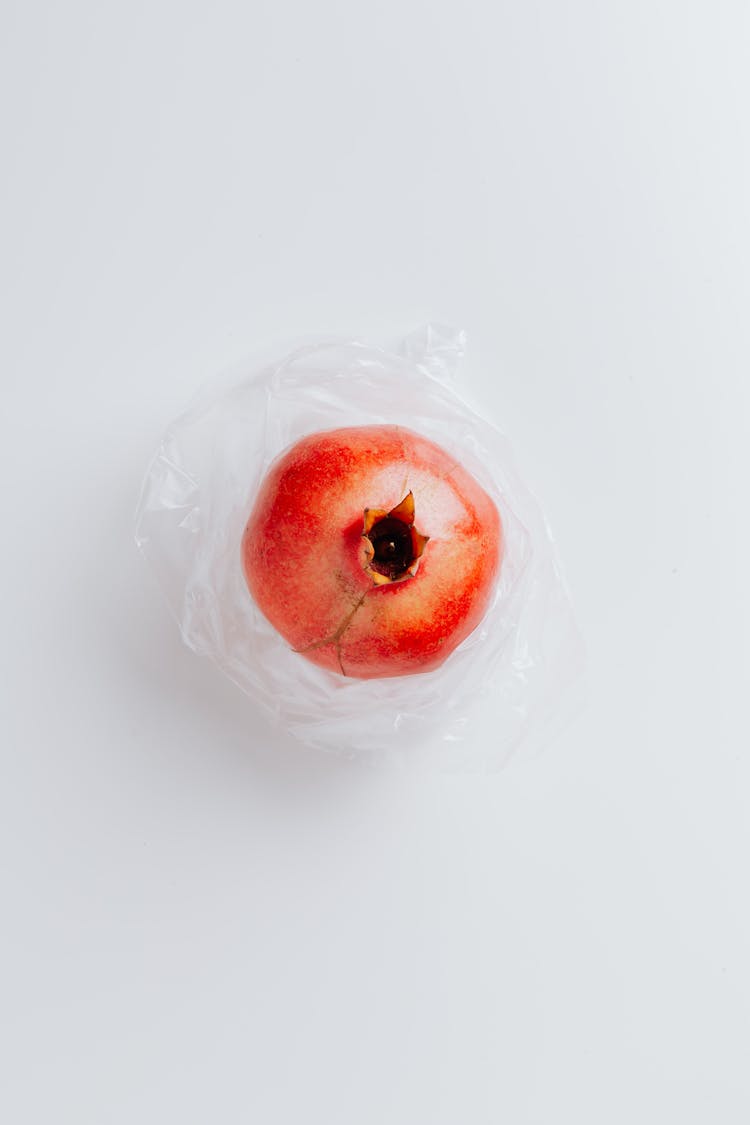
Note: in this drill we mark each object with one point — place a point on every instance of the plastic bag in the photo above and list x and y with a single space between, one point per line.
198 494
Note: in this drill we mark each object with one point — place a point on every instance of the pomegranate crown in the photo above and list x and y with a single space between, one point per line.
393 546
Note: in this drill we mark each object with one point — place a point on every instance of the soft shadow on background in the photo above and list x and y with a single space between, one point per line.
175 686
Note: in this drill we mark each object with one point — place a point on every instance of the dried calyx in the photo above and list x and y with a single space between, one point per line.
393 546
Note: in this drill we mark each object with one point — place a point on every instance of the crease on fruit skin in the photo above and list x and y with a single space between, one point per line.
405 512
334 638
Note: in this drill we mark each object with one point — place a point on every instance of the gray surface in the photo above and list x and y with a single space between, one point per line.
199 925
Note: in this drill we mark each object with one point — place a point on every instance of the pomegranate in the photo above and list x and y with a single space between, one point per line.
372 551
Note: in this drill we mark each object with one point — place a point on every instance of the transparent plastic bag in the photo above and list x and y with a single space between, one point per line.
198 494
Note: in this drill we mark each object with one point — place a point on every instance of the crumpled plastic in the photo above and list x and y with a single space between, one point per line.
197 496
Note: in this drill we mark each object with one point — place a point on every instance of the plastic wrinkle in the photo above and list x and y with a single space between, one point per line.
196 499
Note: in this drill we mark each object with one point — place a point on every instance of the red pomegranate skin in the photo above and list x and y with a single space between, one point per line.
305 557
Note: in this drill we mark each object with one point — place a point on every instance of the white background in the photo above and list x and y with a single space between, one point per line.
201 922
